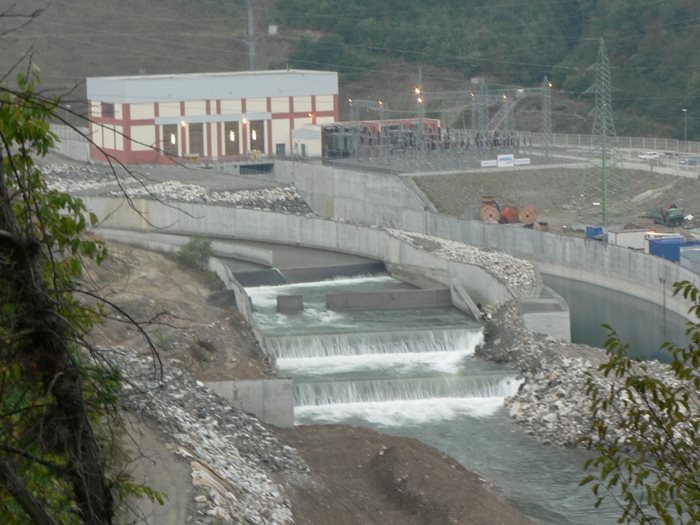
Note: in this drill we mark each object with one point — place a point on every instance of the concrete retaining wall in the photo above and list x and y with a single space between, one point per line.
632 272
72 143
391 202
385 200
243 302
227 222
271 400
547 314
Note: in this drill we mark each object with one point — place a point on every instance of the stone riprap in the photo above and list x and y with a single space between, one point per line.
518 274
231 453
102 180
73 179
285 199
551 404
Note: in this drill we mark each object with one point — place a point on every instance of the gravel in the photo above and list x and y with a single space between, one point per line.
518 274
102 181
231 453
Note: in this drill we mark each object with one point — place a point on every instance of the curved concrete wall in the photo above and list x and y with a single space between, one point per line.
227 222
385 200
392 202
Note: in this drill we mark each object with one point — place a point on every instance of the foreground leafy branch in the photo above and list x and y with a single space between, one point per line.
646 430
54 466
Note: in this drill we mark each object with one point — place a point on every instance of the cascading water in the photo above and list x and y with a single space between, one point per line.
413 372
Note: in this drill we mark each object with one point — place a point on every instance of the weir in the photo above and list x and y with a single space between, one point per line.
413 372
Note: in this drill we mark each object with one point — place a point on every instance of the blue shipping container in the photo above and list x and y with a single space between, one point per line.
594 232
669 248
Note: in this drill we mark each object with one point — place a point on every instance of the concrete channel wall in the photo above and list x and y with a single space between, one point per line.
271 400
228 222
384 200
392 202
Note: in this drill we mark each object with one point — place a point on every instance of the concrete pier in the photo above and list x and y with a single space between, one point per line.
390 300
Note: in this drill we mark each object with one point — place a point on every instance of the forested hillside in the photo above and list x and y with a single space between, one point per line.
654 46
379 45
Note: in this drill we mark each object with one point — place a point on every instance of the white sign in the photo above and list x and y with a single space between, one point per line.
489 163
506 161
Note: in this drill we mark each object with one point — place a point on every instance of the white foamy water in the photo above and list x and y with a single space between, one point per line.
400 413
397 363
408 342
336 392
266 296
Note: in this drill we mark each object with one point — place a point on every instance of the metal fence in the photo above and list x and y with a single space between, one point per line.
71 143
74 145
660 144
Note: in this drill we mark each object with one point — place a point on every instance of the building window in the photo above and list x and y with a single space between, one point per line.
170 139
196 133
108 110
231 139
257 135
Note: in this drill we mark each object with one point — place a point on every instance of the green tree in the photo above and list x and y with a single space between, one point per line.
645 430
195 254
54 392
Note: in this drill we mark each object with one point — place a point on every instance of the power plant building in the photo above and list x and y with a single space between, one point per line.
206 116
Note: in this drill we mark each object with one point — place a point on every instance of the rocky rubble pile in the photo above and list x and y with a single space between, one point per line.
230 452
552 404
282 199
76 179
520 275
71 179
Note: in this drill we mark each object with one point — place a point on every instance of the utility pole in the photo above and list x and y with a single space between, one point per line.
685 127
251 36
420 101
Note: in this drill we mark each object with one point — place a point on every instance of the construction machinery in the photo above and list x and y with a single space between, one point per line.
672 215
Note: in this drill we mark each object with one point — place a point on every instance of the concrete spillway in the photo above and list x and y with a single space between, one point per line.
414 373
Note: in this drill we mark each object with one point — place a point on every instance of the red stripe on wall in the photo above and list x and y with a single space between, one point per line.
208 153
219 131
156 113
126 128
291 123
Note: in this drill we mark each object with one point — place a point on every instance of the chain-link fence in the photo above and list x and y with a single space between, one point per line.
71 143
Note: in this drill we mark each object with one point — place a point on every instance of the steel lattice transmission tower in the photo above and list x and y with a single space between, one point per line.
482 115
546 116
604 182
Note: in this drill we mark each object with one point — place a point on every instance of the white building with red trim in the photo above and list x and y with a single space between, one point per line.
206 116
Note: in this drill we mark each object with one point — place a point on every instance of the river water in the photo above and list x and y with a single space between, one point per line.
641 324
413 373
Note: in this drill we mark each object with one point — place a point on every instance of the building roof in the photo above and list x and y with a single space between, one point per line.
212 86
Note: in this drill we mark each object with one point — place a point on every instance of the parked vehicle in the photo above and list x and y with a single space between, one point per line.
649 155
689 161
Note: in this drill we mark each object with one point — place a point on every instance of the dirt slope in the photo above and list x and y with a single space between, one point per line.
554 193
